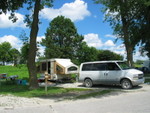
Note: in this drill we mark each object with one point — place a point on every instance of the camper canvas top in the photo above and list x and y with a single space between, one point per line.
64 62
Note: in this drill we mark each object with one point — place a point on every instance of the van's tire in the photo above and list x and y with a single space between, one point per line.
126 84
88 82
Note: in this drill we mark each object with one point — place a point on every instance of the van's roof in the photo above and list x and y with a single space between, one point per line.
103 61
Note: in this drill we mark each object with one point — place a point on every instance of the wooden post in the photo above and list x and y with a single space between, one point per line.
46 79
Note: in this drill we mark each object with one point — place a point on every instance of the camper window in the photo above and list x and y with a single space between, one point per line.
73 68
59 69
44 66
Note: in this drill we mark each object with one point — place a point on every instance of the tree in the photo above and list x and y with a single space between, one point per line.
12 5
144 28
24 53
86 53
108 55
123 17
62 39
15 56
39 4
5 54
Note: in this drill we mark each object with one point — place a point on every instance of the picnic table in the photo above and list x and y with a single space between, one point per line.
3 76
13 78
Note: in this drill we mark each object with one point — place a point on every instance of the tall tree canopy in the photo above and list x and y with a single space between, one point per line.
144 29
62 39
15 56
5 49
8 54
124 17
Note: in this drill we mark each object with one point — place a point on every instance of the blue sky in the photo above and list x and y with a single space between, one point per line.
86 16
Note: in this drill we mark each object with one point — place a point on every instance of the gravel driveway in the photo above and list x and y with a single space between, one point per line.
136 100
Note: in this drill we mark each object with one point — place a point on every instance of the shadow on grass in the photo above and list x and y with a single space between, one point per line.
58 93
10 87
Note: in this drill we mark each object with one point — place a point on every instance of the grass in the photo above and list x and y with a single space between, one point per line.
10 87
23 90
20 70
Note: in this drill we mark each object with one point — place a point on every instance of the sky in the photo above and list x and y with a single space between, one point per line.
86 15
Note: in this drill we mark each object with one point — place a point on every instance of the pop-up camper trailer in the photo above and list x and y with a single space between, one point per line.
57 69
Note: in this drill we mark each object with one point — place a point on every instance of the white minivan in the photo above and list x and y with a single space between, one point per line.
110 72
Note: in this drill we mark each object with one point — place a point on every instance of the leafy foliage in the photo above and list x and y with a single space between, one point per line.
105 55
86 53
11 6
128 19
5 49
15 56
8 54
62 39
24 53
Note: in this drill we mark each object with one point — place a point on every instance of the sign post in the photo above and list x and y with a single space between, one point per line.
46 82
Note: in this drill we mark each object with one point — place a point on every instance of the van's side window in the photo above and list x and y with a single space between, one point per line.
112 66
86 67
99 67
94 67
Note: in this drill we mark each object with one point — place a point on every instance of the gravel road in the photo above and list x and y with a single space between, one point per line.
136 100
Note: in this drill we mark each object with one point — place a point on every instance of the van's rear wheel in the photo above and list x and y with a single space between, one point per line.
126 84
88 82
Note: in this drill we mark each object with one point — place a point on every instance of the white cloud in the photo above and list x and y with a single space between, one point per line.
110 36
39 38
109 43
6 23
93 40
119 49
138 56
76 10
41 48
14 41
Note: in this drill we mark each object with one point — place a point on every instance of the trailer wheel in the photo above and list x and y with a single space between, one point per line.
88 82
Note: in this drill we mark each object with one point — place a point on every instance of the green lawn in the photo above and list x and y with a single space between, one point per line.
8 87
20 70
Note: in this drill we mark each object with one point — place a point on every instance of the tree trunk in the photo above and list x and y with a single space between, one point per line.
129 56
126 37
33 48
